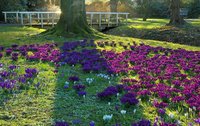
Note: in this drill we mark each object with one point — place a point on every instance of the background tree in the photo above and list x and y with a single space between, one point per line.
194 9
12 5
114 5
175 18
73 19
145 8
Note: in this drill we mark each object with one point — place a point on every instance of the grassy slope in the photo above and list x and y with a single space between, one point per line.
28 35
53 102
156 29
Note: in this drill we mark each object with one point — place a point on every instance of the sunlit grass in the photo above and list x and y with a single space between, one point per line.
149 24
138 23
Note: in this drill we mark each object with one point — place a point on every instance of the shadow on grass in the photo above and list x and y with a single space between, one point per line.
187 35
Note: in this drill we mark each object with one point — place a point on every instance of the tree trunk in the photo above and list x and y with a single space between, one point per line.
113 5
144 18
145 8
175 19
73 19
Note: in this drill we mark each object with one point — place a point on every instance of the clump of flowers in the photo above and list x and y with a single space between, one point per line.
11 80
108 93
89 80
160 105
103 76
161 111
73 78
66 85
80 90
107 117
129 99
30 72
142 122
82 93
197 121
92 123
15 56
1 48
8 51
1 55
12 67
79 87
61 123
123 112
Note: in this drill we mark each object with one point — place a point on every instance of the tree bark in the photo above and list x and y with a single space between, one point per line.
72 19
175 19
113 5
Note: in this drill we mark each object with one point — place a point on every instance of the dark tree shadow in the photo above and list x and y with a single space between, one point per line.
84 59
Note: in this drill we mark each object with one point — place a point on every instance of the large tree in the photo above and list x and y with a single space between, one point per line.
175 18
73 19
144 7
114 5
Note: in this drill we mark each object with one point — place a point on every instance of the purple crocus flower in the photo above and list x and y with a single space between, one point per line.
108 92
1 65
8 52
82 93
1 48
74 78
15 56
12 67
129 99
161 111
197 121
79 87
1 55
92 123
66 86
143 122
61 123
76 121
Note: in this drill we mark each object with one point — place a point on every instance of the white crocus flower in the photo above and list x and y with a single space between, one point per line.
123 112
103 76
171 115
134 111
179 122
107 117
66 83
190 110
186 114
89 80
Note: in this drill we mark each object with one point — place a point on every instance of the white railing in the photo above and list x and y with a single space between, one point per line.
51 18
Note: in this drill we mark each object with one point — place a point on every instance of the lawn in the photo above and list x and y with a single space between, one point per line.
49 81
156 29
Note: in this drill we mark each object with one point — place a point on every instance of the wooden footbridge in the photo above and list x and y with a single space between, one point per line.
99 20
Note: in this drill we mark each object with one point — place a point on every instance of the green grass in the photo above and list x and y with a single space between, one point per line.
52 102
149 24
28 35
156 29
137 23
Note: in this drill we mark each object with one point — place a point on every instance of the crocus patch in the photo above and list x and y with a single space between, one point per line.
163 78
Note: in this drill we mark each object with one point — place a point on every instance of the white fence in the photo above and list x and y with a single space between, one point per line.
51 18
